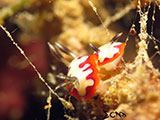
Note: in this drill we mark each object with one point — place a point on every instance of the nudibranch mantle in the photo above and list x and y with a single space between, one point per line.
110 54
85 70
107 51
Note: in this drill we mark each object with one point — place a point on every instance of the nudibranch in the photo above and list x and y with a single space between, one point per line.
86 69
110 54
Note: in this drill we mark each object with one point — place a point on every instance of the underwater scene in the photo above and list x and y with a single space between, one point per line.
79 60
